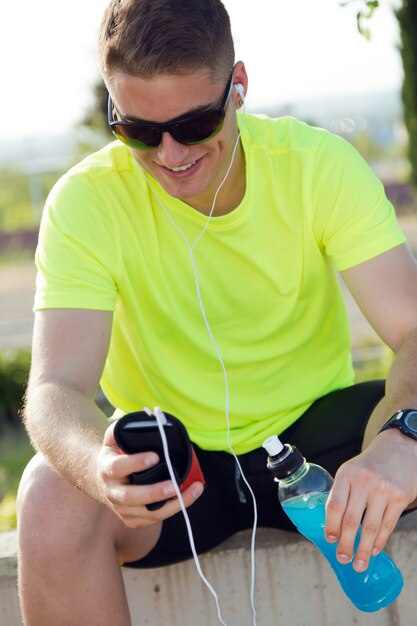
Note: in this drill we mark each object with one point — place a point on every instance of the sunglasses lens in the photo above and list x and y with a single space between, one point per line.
191 131
138 137
199 129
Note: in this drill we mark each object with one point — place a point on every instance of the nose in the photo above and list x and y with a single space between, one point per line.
171 153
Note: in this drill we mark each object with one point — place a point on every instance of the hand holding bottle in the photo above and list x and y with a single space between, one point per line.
303 492
377 485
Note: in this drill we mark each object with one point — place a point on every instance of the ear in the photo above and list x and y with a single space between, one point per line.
240 83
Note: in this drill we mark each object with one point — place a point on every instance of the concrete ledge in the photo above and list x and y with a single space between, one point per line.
9 604
294 585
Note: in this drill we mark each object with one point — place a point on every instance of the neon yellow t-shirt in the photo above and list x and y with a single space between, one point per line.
267 274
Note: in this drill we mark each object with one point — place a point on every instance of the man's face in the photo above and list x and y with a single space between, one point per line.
189 172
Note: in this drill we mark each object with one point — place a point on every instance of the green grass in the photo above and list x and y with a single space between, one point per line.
15 452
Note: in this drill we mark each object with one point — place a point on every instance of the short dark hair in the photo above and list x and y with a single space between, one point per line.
145 38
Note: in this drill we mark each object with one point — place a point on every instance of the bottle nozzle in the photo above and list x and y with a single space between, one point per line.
273 445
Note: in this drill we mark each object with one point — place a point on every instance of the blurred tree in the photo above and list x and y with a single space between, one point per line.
14 372
94 122
407 19
15 202
96 117
18 208
364 13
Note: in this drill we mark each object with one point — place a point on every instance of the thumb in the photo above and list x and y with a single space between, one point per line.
109 439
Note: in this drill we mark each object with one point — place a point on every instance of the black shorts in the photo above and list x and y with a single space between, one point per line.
329 433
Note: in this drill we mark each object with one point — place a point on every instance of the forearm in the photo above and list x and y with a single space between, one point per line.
67 428
401 387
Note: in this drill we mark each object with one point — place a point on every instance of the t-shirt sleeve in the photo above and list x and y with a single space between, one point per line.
76 257
353 219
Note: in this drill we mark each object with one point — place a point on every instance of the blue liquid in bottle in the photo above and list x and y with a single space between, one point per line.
303 491
371 590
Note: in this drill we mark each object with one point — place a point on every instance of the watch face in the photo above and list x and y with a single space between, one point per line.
410 420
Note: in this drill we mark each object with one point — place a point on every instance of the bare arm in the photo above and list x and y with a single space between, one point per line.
382 481
385 289
64 423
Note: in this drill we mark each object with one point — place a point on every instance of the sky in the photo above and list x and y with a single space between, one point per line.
293 50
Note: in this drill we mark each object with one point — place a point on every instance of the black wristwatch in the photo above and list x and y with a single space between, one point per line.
405 420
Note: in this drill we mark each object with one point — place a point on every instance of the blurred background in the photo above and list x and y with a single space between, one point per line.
348 66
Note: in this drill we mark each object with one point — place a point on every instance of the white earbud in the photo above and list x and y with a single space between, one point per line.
240 89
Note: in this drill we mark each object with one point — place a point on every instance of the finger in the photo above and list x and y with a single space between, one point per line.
389 522
109 439
371 526
173 506
138 515
138 496
350 524
383 510
120 466
335 509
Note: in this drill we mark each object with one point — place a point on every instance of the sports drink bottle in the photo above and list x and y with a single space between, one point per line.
303 490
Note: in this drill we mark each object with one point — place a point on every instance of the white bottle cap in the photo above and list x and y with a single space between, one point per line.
273 445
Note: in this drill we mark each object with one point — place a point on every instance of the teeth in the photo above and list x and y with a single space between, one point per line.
182 167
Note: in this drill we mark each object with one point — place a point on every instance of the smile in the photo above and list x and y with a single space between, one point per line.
183 172
181 168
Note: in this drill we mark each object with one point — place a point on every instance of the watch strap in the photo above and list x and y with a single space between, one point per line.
390 423
397 421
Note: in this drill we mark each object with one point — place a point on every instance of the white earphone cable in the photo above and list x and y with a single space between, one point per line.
159 415
161 419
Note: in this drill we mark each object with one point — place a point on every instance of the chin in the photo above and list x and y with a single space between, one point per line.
183 191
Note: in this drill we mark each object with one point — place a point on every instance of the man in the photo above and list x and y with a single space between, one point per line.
267 217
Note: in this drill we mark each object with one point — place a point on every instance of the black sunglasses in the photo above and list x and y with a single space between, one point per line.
189 130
